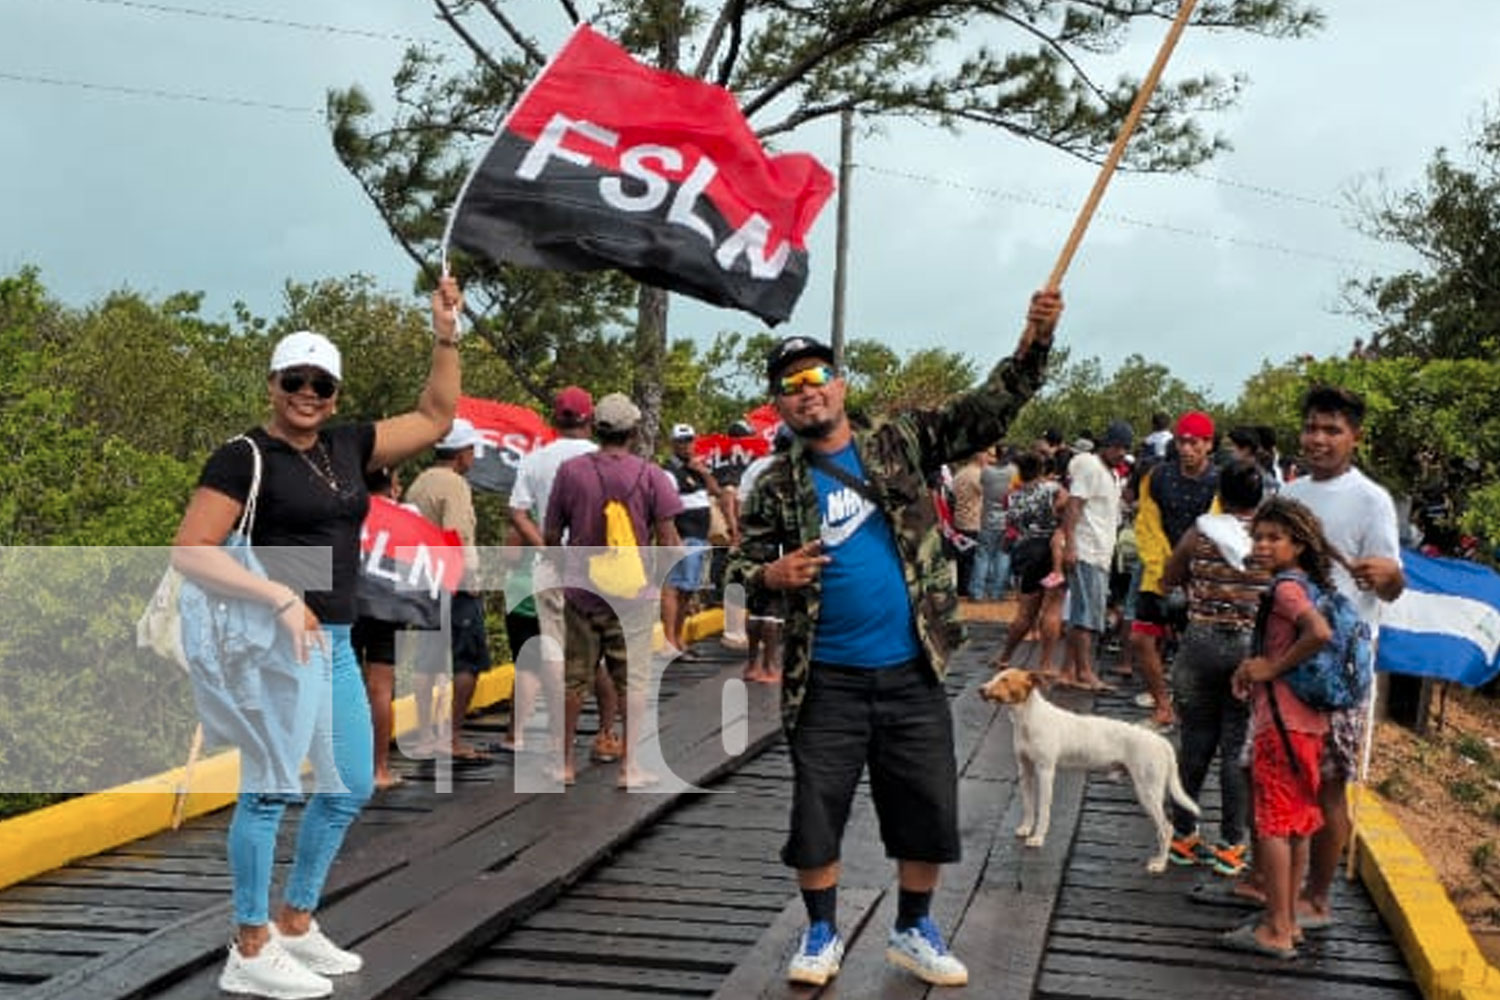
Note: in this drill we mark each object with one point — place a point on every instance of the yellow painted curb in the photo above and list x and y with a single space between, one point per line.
78 828
90 824
1443 957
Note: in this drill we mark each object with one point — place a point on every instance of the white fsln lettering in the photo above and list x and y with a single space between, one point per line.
632 164
751 239
687 196
550 144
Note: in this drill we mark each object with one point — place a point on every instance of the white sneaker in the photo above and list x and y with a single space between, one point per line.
319 954
920 950
273 973
818 955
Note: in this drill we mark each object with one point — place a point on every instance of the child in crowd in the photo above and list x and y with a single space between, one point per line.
1286 735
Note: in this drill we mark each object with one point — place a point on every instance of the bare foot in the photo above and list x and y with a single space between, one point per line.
637 777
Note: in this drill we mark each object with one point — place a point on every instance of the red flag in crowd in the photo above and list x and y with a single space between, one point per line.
406 562
510 432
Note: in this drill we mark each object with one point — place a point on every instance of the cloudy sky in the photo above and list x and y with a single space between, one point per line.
106 189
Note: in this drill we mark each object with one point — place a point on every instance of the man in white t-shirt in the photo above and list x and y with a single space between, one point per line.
1089 527
572 417
1359 519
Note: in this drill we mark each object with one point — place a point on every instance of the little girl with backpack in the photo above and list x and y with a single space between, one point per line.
1286 732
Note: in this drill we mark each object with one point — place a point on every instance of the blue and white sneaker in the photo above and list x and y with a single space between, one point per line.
818 955
920 950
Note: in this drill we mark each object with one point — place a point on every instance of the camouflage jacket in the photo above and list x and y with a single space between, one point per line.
899 454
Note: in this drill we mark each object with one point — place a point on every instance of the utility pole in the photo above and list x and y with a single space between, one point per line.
841 252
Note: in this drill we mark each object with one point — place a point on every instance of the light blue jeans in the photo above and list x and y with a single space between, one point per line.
343 755
991 574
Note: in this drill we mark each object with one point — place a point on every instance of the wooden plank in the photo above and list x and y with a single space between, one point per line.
569 947
600 977
659 909
634 925
461 988
761 972
1250 978
84 917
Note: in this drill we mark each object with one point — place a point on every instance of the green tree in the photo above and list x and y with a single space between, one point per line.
1031 67
1432 433
1448 306
1079 396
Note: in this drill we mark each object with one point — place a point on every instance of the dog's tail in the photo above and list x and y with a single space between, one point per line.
1178 793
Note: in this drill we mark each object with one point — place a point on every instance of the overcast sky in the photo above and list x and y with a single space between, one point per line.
949 233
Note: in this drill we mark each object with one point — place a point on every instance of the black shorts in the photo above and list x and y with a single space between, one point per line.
1031 561
374 641
1150 609
519 630
896 720
470 643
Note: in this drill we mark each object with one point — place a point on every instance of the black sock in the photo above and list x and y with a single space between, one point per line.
822 904
911 906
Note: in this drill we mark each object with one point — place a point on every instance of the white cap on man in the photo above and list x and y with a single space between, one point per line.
683 432
460 436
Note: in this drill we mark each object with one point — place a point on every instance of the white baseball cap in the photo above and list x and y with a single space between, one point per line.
683 432
307 348
460 436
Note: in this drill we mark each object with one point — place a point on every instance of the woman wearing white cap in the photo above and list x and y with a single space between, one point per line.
312 497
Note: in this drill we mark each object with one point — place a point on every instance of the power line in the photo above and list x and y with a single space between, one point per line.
1165 227
272 22
174 95
1268 192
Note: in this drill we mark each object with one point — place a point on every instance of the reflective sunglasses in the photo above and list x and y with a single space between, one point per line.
817 377
324 386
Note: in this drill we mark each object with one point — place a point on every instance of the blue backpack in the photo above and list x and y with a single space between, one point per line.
1338 676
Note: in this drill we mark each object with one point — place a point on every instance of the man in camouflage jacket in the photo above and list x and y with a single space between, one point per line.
843 526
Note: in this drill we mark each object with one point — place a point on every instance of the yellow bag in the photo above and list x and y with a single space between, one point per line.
618 571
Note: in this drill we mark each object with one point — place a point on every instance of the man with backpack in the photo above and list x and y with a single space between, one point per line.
1359 521
616 502
843 526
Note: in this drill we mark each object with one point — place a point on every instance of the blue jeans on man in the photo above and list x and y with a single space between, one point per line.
990 576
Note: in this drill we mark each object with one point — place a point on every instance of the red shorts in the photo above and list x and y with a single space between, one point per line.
1286 801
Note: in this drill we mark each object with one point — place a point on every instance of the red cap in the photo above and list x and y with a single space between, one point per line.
572 406
1195 423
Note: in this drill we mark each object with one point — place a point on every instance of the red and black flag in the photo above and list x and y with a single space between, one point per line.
510 432
605 163
406 563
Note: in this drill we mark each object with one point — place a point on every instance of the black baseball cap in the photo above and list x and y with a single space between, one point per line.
791 349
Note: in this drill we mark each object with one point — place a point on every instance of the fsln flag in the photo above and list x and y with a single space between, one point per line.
1446 624
606 163
406 563
510 432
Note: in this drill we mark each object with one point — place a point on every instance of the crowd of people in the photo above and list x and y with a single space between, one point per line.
852 539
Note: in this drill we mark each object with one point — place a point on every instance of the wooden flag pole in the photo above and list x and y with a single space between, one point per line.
1112 161
1132 119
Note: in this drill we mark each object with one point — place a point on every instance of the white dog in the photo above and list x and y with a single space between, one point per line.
1048 737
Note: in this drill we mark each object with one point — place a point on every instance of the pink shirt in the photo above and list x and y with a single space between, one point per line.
1289 604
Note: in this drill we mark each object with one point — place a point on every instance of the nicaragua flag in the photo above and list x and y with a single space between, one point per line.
606 163
1446 624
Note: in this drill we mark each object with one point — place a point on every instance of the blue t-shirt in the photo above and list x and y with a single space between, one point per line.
866 618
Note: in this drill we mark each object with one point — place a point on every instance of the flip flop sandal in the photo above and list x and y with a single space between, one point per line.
1244 939
1222 894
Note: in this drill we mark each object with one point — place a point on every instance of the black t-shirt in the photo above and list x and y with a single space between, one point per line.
693 522
1180 498
312 498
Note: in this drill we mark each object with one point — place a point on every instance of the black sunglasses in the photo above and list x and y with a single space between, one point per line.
324 386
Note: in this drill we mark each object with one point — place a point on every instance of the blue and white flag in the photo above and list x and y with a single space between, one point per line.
1446 624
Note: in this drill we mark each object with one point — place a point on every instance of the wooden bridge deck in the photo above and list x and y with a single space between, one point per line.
596 894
